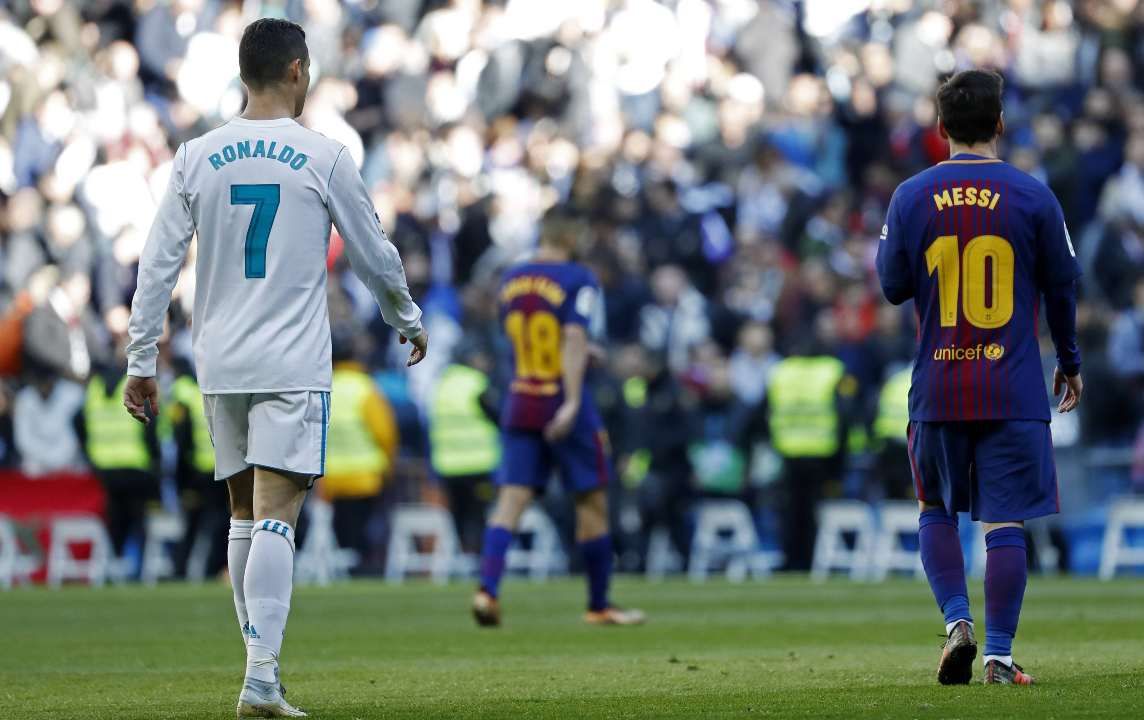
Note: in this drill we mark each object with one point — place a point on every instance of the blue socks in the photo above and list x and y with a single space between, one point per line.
940 548
1005 574
597 564
598 568
493 552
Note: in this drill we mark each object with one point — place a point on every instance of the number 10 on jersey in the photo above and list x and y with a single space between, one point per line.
265 199
970 276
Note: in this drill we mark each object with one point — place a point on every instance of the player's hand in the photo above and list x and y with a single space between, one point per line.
137 393
420 347
597 355
561 423
1073 386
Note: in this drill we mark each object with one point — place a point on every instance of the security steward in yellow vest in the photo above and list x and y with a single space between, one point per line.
361 447
203 501
893 417
122 453
464 443
807 405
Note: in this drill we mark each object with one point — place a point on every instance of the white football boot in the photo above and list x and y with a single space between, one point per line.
260 699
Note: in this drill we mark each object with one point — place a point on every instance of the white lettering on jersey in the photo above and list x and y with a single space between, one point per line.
885 233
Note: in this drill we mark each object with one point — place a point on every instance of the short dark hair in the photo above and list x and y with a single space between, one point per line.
561 228
268 45
969 105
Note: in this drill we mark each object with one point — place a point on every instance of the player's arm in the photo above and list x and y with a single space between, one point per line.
159 267
893 262
1057 273
372 256
574 364
581 315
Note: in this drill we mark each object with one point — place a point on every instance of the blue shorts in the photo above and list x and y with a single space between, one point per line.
528 459
997 470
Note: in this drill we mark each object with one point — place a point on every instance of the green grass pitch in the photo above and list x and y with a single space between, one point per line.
782 649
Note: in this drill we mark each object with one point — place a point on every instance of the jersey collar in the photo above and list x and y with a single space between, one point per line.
970 158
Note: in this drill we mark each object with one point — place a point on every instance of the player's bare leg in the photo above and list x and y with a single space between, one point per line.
512 501
268 584
595 543
944 565
1006 572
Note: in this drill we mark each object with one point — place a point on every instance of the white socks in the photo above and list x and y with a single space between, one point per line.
950 625
1006 660
268 583
237 550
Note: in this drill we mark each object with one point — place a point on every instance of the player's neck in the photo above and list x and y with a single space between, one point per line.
985 150
550 254
268 106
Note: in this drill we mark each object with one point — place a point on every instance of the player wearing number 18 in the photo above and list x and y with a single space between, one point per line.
261 192
549 422
977 244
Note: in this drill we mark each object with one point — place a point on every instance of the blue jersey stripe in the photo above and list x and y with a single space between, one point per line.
325 426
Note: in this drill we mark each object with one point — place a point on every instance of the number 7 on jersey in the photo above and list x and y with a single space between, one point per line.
265 199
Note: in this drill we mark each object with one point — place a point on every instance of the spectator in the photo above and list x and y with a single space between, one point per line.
43 416
677 320
752 362
362 446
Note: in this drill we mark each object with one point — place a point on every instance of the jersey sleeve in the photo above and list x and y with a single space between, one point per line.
893 261
159 265
372 256
1056 257
583 304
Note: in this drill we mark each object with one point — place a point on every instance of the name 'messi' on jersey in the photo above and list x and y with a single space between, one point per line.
969 195
251 149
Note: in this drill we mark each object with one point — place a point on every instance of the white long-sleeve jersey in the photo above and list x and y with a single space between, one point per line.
261 195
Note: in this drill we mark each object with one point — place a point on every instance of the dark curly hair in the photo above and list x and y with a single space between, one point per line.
969 105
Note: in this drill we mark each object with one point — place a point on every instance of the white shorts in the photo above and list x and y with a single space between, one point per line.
280 431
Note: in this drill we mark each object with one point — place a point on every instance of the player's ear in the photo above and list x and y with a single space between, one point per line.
941 130
1001 125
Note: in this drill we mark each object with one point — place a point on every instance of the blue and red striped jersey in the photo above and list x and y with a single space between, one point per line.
975 242
537 299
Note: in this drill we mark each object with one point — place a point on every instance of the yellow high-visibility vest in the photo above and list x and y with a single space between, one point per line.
185 391
803 414
115 440
462 439
351 449
894 407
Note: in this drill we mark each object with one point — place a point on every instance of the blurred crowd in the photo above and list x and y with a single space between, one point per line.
732 161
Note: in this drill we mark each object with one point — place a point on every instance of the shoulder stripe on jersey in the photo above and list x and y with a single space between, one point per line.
334 165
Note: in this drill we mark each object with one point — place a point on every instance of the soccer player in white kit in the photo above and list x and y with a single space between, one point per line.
261 192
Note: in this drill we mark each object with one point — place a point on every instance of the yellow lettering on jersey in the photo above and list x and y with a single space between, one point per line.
959 196
533 285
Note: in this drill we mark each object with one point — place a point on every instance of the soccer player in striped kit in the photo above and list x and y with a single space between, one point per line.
977 245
